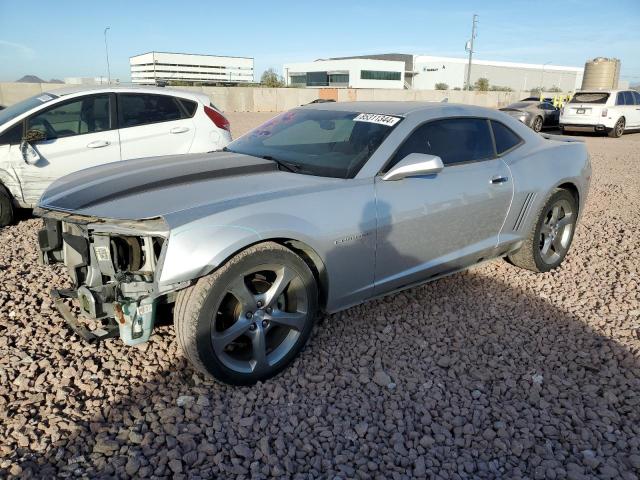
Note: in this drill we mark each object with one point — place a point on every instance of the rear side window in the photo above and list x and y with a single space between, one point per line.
628 98
455 140
506 139
141 109
620 99
189 106
596 97
13 136
636 96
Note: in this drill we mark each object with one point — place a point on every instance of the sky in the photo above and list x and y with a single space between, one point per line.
65 38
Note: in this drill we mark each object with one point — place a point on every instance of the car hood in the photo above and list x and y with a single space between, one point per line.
161 186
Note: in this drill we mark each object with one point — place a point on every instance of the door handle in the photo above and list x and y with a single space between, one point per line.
499 179
99 144
179 129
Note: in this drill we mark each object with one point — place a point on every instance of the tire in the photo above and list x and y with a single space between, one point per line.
6 207
618 129
264 299
549 240
536 125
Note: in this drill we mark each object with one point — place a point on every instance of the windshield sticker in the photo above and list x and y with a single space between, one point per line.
45 98
377 118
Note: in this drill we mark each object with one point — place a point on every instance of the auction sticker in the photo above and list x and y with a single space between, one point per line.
45 98
388 120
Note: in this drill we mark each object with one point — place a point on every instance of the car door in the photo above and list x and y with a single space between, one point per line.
551 114
429 225
631 109
636 111
153 125
79 133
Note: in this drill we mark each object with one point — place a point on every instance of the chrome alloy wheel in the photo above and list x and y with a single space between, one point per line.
556 231
259 318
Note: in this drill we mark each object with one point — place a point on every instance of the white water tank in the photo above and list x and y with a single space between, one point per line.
601 73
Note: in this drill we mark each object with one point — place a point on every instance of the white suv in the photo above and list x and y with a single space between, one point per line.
611 111
56 133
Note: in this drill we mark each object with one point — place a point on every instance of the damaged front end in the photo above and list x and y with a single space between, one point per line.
114 265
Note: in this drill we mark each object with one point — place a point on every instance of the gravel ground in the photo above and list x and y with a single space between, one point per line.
495 372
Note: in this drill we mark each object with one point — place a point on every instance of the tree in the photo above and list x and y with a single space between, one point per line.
498 88
481 84
271 79
535 91
442 86
555 89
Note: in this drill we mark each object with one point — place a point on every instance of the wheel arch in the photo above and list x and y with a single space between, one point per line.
573 189
305 251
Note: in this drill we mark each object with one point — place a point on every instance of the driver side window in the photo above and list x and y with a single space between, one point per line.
454 140
84 115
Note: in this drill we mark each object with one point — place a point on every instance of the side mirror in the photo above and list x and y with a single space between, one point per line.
413 165
29 154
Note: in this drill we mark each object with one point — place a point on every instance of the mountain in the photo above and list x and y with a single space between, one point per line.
30 79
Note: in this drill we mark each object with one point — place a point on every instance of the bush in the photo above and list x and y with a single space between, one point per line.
555 89
442 86
482 84
271 79
498 88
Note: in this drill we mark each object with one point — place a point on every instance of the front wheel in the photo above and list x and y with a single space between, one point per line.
250 318
550 238
537 124
618 129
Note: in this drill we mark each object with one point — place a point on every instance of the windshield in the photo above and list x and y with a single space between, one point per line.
327 143
19 108
599 97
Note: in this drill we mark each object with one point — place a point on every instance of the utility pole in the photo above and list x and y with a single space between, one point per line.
106 49
469 48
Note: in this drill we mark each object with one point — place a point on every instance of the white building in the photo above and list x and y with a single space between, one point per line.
346 73
153 67
422 72
88 80
428 71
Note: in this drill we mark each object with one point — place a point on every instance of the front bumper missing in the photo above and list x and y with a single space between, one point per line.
133 321
83 332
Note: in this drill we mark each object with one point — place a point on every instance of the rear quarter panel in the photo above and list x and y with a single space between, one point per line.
537 169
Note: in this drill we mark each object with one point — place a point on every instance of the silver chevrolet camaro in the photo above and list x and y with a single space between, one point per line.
319 209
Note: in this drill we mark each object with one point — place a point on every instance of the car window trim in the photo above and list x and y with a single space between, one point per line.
180 101
495 146
25 121
384 169
175 101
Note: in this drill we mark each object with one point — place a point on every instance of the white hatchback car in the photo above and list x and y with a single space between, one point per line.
610 111
56 133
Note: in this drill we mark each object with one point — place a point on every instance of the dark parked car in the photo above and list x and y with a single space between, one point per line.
535 114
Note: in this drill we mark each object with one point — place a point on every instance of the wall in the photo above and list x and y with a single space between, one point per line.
250 99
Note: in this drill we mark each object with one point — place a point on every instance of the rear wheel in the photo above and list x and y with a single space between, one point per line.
618 129
550 238
6 207
536 125
250 318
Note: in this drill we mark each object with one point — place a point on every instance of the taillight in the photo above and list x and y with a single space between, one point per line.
217 118
604 112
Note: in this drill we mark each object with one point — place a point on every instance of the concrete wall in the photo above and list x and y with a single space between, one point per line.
249 99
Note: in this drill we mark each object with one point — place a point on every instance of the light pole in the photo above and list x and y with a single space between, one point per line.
106 49
469 48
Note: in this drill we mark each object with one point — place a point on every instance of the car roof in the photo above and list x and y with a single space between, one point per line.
84 89
399 108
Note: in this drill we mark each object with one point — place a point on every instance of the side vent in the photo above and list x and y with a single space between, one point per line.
528 201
